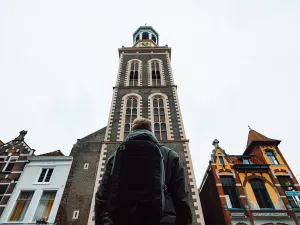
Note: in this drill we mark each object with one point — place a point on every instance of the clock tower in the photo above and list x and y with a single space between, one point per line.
144 87
145 37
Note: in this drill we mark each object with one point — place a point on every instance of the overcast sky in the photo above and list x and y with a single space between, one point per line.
236 63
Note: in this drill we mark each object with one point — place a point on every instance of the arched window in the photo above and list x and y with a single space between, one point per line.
134 74
261 193
154 38
131 114
155 74
145 35
137 38
160 127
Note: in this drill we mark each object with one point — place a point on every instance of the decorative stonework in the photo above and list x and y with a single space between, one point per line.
267 214
128 71
100 172
119 70
161 69
167 113
170 69
111 114
121 124
193 184
178 113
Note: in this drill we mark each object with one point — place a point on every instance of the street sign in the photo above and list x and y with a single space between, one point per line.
292 193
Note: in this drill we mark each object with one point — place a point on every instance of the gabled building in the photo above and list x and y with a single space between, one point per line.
257 187
37 195
13 158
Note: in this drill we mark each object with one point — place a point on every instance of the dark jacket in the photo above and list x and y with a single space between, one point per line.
177 210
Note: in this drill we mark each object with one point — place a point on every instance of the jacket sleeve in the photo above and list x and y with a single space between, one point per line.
179 192
102 195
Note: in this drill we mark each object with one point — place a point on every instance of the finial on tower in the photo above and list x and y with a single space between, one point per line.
216 143
249 127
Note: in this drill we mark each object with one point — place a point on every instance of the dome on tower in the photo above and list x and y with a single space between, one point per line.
145 36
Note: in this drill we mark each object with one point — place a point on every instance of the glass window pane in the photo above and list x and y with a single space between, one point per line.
9 167
134 111
131 75
161 102
133 118
127 127
230 190
164 135
155 102
157 135
127 119
161 111
261 193
134 103
156 126
49 174
145 35
163 126
22 206
156 118
45 205
162 118
128 111
155 111
42 176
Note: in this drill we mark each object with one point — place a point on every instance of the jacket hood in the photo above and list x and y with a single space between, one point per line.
142 131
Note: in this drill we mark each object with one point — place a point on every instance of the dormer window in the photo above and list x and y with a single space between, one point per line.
145 35
272 157
221 160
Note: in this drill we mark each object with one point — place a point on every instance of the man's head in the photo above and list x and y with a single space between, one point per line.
141 123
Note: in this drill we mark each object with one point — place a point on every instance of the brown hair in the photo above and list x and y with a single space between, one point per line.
141 123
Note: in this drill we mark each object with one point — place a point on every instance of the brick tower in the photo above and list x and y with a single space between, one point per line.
144 88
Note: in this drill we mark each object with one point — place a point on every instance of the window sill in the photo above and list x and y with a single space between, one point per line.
41 183
235 209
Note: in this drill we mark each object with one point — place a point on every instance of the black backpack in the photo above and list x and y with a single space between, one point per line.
137 194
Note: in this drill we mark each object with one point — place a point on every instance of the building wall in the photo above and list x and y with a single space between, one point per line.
177 140
28 181
250 213
78 194
210 201
19 151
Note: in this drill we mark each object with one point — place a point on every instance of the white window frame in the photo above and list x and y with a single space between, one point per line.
166 105
15 204
40 173
127 80
75 214
40 200
162 76
124 106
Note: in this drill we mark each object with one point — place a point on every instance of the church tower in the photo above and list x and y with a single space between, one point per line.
144 88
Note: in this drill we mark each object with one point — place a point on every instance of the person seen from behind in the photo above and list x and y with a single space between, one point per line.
143 183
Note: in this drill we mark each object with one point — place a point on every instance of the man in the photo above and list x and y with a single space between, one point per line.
127 201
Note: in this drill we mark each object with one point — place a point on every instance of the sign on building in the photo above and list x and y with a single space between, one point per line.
292 193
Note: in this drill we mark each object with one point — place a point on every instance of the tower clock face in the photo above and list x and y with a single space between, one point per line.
145 44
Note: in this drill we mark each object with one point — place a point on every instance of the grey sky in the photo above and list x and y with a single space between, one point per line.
235 63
